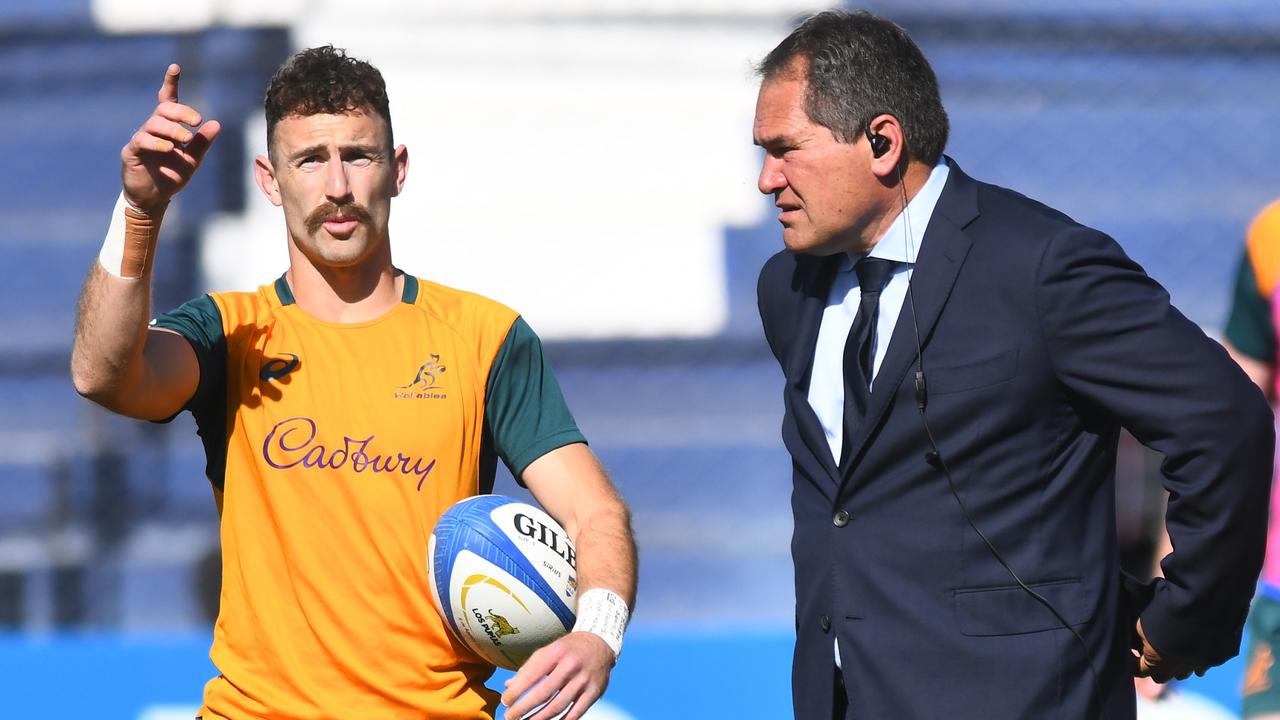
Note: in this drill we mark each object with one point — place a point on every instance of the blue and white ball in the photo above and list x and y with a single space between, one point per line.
503 576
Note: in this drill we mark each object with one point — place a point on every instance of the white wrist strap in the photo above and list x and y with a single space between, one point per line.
603 613
130 241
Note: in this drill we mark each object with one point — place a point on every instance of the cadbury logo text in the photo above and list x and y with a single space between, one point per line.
291 443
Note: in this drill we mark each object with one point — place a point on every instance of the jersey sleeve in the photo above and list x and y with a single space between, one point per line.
525 411
200 322
1249 327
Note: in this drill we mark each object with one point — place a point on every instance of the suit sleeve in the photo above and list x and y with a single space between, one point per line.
1118 344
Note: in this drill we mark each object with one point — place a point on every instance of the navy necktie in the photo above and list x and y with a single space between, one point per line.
859 348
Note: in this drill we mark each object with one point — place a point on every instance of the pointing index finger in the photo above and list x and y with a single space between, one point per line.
169 90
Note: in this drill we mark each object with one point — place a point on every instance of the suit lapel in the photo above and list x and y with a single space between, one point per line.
943 249
814 284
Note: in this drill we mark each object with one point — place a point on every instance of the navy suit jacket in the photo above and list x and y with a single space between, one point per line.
1041 340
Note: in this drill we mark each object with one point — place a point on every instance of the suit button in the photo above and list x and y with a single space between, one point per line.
825 622
841 519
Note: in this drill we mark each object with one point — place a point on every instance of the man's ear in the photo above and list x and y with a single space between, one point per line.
401 158
887 144
265 175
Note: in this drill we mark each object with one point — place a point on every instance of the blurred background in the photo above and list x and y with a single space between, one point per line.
590 164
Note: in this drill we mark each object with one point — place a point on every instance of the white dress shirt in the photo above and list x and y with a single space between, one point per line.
826 380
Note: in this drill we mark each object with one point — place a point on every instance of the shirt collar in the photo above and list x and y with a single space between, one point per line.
894 245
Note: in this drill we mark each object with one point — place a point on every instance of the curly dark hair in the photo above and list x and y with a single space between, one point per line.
325 80
859 66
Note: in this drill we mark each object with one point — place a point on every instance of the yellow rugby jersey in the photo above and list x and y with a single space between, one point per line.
333 449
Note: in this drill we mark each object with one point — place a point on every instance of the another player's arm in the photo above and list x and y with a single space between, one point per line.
572 486
1249 334
1262 373
116 360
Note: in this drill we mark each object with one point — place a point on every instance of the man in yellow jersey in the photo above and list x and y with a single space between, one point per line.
343 408
1250 337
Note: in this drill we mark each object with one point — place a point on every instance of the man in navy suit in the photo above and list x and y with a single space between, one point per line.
959 361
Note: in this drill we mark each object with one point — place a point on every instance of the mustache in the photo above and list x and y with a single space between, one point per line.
329 211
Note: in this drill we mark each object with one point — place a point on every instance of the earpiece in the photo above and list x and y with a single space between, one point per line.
879 143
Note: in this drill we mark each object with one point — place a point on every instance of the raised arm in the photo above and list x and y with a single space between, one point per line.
116 360
574 489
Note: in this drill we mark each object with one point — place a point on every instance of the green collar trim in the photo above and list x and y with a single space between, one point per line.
409 295
283 291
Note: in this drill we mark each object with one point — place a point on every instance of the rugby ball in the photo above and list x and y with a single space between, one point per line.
502 575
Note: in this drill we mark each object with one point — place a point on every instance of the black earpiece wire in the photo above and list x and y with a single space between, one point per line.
935 459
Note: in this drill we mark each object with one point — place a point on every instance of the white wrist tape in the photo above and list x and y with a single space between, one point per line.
130 242
603 613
